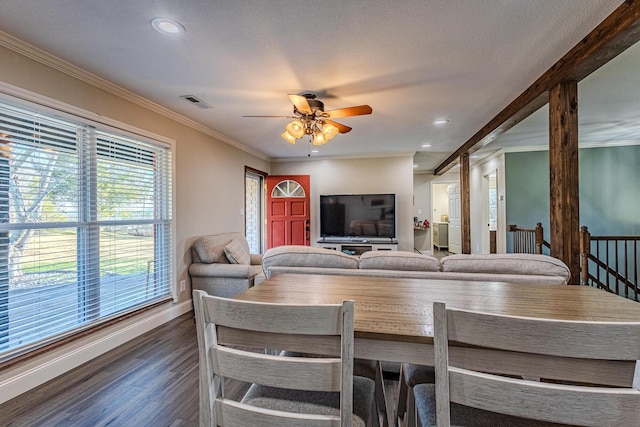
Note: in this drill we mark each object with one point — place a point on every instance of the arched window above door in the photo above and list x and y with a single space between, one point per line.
288 188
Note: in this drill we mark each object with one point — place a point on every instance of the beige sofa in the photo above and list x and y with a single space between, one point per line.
222 265
513 268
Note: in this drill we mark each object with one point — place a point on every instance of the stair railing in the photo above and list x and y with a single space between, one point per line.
528 240
610 263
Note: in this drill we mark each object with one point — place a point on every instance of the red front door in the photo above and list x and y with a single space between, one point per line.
287 210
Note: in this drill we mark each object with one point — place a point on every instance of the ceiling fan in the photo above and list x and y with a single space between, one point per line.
311 119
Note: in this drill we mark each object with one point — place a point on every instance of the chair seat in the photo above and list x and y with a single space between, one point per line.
309 402
418 374
425 397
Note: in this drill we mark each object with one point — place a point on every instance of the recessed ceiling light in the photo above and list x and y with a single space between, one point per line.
415 166
315 151
441 122
168 26
426 145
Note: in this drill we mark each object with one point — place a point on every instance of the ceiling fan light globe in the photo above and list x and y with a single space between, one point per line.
295 129
319 139
290 139
329 131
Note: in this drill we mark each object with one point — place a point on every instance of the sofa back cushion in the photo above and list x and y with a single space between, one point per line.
306 256
515 264
398 260
210 249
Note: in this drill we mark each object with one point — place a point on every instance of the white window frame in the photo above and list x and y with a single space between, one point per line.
35 102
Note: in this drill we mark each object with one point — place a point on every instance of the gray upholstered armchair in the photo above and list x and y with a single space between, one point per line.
221 264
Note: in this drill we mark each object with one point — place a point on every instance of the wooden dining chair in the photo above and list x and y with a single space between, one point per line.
465 396
285 391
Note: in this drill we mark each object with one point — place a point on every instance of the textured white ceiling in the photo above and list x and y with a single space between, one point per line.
413 61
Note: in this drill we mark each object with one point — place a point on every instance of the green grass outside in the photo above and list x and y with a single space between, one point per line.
37 258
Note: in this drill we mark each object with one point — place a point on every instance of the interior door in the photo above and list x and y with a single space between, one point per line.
455 232
288 210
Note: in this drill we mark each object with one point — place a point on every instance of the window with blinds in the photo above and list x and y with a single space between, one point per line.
85 227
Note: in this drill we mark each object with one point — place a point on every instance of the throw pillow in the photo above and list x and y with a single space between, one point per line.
236 253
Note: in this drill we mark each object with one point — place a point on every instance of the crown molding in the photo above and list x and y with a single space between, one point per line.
43 57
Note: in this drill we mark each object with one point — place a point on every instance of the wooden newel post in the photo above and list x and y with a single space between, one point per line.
539 238
585 246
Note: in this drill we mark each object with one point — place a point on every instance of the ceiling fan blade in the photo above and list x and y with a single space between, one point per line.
301 104
341 128
349 111
282 117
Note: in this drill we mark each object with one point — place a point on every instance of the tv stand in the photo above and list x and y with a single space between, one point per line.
357 245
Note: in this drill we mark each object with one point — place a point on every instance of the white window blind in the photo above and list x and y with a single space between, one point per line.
85 227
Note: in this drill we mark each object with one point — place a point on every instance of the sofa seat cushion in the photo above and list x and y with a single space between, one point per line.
306 256
236 271
512 264
398 260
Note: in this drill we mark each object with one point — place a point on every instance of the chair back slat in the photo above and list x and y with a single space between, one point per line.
317 344
531 340
280 318
322 374
617 373
558 403
560 338
238 415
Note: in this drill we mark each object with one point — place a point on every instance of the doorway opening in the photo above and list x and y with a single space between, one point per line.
441 217
254 217
489 236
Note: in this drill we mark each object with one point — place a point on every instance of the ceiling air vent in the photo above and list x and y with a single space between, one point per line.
196 101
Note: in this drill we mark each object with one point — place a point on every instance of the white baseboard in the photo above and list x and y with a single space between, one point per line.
39 370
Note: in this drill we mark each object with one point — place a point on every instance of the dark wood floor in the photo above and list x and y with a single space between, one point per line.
150 381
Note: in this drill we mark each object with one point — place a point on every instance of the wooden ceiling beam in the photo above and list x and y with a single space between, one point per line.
614 35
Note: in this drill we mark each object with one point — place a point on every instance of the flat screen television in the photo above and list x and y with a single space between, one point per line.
370 216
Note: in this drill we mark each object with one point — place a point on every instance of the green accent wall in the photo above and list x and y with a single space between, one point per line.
527 191
609 190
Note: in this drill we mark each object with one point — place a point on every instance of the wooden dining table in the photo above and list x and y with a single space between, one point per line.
394 320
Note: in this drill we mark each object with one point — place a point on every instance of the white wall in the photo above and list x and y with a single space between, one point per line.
373 175
440 195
